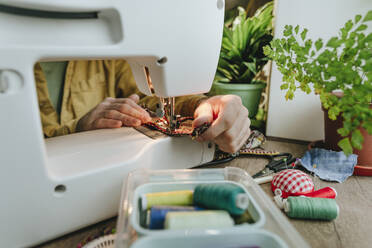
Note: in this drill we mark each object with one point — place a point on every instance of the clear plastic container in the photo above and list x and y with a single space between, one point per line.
270 227
228 239
254 210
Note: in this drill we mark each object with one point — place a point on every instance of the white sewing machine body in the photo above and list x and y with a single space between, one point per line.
54 186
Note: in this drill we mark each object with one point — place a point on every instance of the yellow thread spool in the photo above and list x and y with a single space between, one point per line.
172 198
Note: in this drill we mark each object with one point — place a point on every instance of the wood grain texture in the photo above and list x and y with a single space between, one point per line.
353 227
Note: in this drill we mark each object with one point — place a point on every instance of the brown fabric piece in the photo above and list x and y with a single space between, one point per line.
88 83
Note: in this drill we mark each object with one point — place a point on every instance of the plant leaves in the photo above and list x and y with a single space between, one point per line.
368 127
318 44
345 145
349 25
368 65
357 139
251 67
303 34
357 18
242 53
368 16
287 30
284 86
362 27
368 38
343 132
296 29
340 63
333 42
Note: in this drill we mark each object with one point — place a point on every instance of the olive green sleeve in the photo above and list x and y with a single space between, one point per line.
126 86
48 116
53 130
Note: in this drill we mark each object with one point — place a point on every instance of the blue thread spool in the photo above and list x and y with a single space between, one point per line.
158 213
229 197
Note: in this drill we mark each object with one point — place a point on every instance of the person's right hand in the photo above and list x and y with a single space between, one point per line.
114 113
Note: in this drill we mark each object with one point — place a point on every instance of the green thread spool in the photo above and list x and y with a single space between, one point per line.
143 217
172 198
311 208
229 197
198 219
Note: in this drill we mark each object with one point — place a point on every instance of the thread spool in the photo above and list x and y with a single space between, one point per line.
157 214
172 198
229 197
311 208
198 219
143 218
327 192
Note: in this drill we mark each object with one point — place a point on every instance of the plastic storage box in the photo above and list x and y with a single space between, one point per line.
270 227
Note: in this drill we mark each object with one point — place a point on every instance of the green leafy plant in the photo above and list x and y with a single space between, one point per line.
243 40
343 63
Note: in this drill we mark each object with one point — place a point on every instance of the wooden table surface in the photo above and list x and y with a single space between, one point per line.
352 228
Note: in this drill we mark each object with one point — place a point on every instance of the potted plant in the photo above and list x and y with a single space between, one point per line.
242 56
340 72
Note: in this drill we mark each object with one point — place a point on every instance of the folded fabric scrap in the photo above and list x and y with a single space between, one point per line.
329 165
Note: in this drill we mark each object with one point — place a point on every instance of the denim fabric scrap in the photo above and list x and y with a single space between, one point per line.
329 165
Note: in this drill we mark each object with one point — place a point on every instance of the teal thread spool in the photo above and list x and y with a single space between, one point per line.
311 208
223 196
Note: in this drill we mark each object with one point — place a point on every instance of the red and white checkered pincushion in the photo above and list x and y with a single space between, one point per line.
291 182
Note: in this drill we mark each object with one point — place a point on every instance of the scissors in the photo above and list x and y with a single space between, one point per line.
277 163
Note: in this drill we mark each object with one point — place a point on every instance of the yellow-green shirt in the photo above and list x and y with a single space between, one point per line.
86 84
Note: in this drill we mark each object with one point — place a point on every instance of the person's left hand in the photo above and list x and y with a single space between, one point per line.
230 122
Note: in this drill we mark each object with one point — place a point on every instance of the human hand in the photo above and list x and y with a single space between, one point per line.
114 113
230 122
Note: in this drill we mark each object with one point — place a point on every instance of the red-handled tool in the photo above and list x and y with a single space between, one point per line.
327 192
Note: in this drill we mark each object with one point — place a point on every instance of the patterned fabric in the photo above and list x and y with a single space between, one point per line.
255 140
185 127
291 182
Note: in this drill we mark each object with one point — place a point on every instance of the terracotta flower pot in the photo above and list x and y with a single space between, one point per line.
332 138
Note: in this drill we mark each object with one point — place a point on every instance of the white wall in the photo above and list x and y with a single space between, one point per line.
302 118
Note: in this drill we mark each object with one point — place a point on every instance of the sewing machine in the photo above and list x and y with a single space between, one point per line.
50 187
